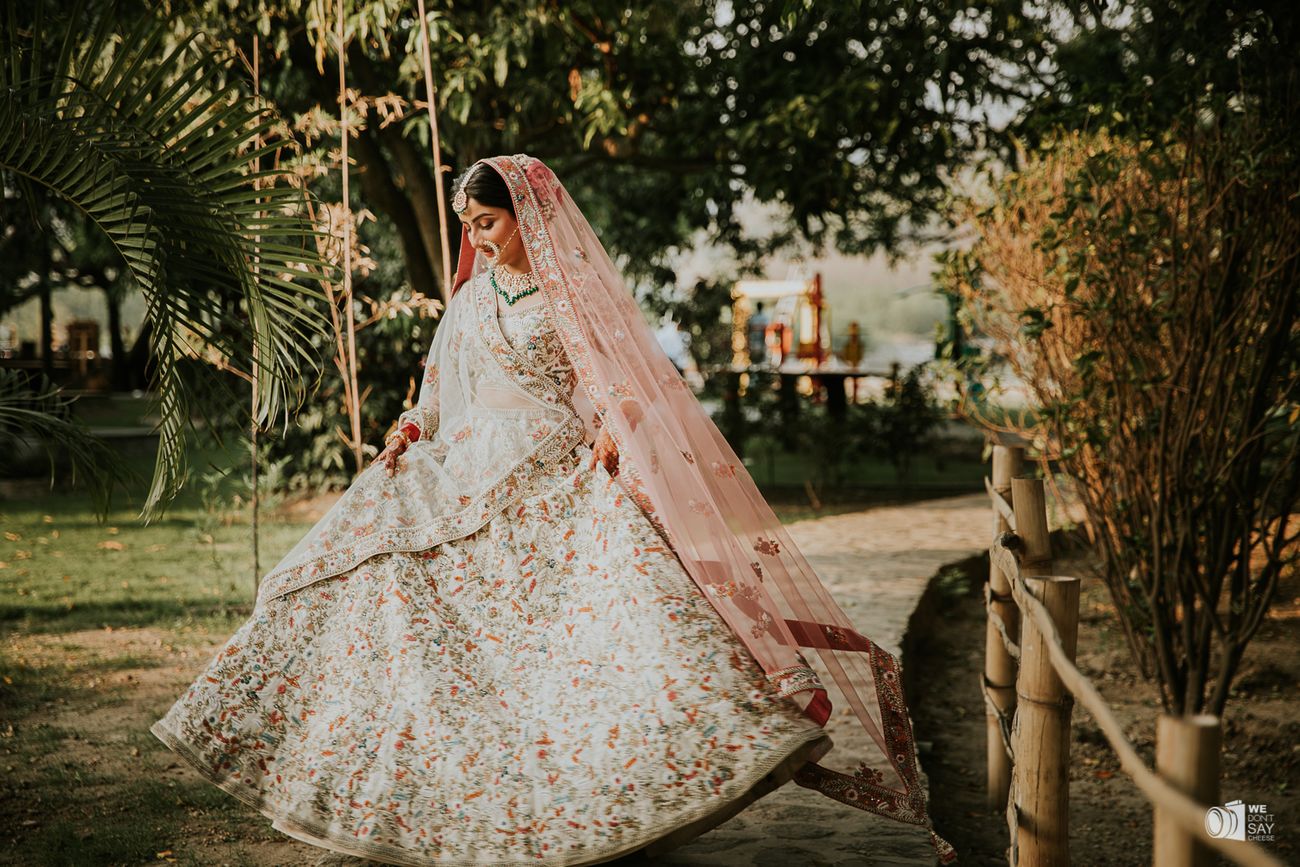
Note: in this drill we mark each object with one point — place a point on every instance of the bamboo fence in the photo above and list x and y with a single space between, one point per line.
1030 684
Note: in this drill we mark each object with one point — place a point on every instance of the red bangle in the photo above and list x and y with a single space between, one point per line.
411 430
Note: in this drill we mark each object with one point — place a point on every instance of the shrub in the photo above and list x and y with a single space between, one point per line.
1145 291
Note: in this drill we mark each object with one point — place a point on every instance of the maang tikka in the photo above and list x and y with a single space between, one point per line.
460 201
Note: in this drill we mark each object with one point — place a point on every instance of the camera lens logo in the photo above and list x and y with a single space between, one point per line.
1227 822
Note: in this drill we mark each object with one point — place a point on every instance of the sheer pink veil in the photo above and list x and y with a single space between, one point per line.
676 465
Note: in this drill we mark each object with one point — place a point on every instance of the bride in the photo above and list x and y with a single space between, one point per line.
554 622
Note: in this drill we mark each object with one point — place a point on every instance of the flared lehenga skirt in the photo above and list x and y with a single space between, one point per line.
552 689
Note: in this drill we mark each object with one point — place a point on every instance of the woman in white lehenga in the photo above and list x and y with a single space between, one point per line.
554 623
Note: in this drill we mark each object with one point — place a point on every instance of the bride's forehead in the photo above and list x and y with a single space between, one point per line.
477 209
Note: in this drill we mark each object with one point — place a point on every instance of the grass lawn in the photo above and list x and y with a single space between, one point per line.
102 625
61 569
117 410
101 628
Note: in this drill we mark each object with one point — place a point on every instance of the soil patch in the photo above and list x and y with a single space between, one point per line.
84 780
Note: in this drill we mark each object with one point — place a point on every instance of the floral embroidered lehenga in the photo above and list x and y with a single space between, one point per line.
502 654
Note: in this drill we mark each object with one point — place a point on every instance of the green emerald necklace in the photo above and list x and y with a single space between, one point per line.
518 286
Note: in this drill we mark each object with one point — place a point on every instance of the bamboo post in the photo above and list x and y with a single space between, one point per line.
350 376
435 141
257 367
1042 729
1187 757
1041 734
999 666
1029 502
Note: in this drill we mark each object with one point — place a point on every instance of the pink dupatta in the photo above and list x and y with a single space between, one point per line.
687 480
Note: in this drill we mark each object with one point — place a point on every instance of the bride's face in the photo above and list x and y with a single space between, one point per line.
496 225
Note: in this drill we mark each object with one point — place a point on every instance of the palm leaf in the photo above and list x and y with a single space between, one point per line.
153 146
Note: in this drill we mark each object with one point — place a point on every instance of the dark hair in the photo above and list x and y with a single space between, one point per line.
486 186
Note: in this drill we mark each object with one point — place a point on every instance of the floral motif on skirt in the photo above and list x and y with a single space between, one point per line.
552 689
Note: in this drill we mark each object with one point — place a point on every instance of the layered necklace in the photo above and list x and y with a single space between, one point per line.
512 287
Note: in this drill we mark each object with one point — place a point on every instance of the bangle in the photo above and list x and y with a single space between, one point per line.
396 435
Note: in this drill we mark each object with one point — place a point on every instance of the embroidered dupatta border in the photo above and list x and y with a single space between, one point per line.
860 790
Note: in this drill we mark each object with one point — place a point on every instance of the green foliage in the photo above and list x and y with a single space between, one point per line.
662 118
312 449
226 494
834 444
905 421
1144 291
150 143
703 314
896 429
1147 65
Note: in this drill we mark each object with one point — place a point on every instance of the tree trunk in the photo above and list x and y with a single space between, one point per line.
413 169
119 374
47 303
380 191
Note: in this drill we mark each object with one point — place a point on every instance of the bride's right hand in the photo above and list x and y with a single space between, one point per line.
390 454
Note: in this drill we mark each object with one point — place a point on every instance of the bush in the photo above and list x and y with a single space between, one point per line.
1145 291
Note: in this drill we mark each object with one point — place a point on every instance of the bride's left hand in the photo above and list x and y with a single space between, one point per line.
606 452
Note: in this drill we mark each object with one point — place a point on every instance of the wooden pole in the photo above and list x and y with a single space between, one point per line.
1157 789
1041 734
431 95
257 367
1187 757
354 399
1042 729
1029 502
999 666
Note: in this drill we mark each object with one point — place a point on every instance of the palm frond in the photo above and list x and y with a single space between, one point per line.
153 145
